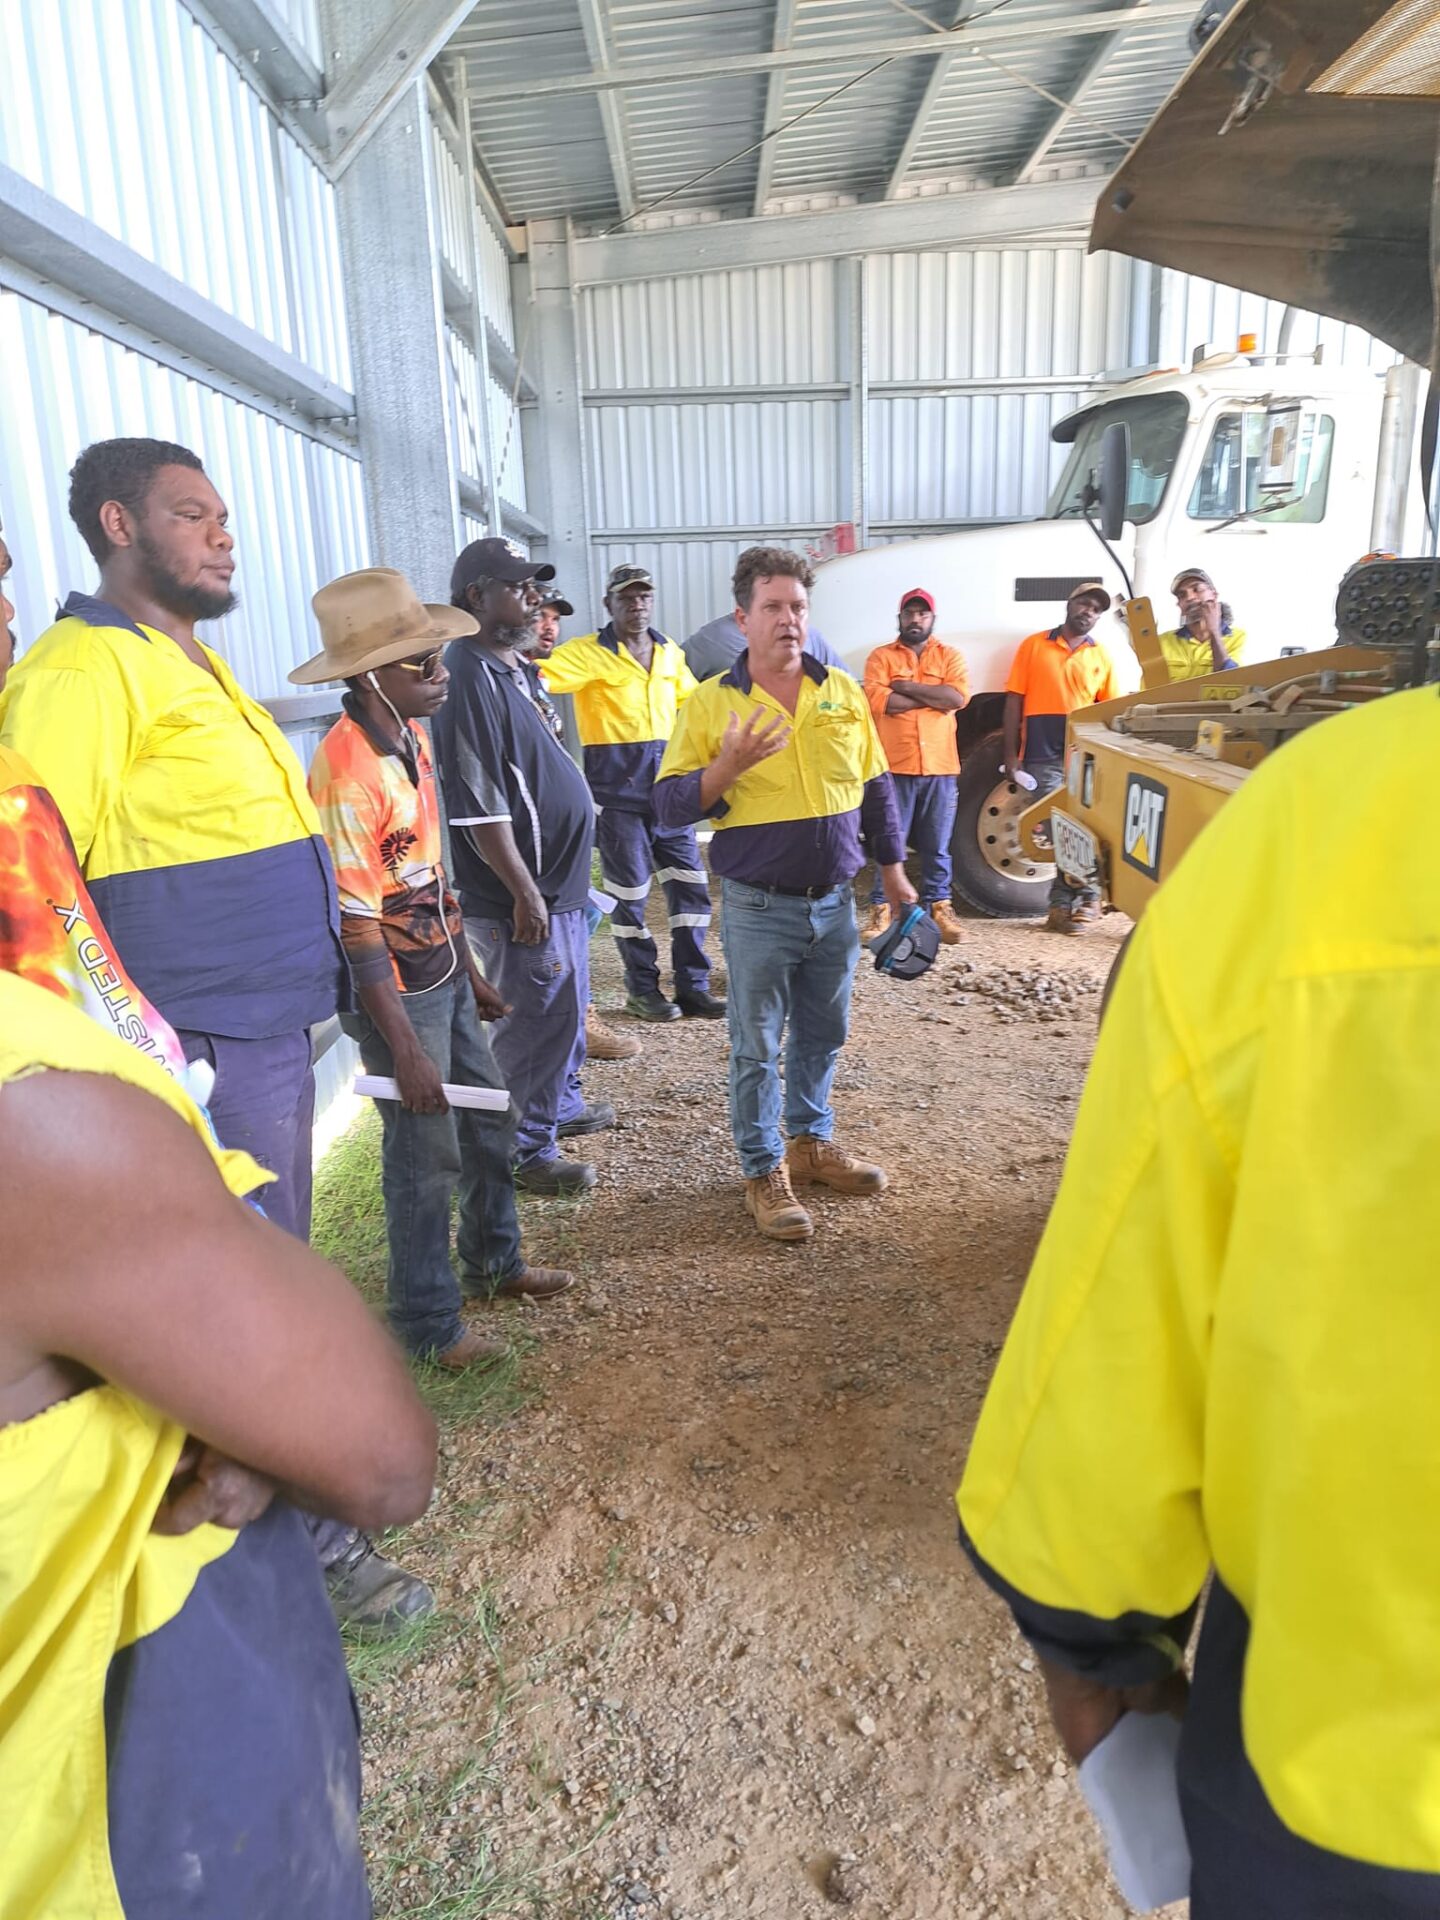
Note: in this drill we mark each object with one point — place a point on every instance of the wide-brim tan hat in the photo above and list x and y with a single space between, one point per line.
372 619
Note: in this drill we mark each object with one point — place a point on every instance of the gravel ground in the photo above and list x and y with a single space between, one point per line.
711 1649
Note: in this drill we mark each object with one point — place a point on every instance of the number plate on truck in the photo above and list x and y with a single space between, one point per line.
1076 850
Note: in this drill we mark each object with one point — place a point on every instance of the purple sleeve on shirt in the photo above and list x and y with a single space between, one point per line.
677 803
880 822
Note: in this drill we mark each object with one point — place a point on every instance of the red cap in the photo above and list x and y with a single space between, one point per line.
917 593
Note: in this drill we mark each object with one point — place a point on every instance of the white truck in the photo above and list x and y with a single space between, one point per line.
1197 441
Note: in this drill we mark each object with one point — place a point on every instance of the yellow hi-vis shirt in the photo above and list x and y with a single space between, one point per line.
191 819
625 713
1228 1349
794 821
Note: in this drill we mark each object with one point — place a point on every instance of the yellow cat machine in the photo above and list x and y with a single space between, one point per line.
1297 159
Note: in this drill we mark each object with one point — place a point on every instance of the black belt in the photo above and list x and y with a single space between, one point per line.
790 893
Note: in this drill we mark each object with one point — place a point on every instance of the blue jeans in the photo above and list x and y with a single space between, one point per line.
540 1044
789 961
429 1158
926 805
1049 776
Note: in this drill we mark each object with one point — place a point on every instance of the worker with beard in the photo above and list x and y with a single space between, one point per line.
916 685
199 844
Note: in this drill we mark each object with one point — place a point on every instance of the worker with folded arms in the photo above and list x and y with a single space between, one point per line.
629 680
1227 1353
916 685
1206 638
782 754
1052 675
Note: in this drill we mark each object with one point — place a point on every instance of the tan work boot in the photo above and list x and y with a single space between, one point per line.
880 921
603 1043
820 1163
770 1201
472 1350
943 914
1072 919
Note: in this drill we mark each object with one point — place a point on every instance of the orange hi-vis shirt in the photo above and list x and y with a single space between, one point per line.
922 741
1054 679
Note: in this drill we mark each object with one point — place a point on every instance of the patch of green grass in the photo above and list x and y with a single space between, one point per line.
348 1226
370 1661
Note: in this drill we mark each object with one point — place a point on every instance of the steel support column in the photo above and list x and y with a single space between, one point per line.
390 259
554 432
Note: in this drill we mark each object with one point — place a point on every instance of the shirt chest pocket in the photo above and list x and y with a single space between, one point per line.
832 746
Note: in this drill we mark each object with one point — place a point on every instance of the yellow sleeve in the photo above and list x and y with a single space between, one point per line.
1235 643
699 728
1082 1488
76 728
685 681
874 760
574 664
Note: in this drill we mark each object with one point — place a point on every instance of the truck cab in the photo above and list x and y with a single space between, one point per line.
1197 441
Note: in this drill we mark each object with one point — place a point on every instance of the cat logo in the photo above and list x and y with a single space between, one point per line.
1144 824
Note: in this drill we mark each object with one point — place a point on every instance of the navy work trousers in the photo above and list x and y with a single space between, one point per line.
632 847
540 1044
925 803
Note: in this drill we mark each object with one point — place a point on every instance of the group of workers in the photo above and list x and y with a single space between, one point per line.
199 1415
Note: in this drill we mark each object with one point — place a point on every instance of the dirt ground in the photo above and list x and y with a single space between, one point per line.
708 1646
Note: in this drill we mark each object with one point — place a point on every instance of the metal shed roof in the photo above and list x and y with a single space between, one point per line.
600 109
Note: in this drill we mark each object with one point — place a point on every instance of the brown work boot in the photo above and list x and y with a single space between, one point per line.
880 921
1073 920
471 1350
820 1163
534 1283
603 1043
943 914
770 1201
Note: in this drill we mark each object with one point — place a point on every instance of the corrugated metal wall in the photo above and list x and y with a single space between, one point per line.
128 112
295 503
722 408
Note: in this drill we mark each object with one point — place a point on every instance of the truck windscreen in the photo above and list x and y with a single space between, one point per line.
1157 428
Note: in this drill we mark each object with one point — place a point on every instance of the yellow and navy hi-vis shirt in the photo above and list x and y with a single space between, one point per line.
191 819
1228 1349
1191 659
177 1734
797 820
624 712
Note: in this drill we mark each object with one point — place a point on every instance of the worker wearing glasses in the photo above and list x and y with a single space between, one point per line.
423 1001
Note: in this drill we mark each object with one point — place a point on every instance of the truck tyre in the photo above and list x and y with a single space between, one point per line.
992 871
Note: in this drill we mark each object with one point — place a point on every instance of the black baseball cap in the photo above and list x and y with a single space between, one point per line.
495 559
552 597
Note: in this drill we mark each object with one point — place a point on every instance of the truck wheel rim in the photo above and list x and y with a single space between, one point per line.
998 833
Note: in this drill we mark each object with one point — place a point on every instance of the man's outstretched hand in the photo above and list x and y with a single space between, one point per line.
209 1488
745 747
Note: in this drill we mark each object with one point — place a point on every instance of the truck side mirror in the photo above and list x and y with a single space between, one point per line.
1114 479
